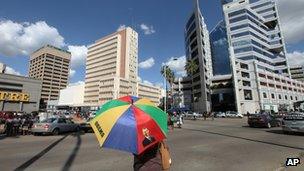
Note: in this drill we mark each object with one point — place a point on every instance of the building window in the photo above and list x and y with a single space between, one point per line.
296 98
264 95
247 95
245 75
244 66
291 98
280 97
246 83
272 96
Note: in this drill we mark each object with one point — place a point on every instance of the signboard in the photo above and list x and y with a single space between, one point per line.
14 96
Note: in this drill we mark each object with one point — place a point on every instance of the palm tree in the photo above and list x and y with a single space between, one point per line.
169 76
191 68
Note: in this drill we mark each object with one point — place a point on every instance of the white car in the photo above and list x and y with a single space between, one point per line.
233 114
219 114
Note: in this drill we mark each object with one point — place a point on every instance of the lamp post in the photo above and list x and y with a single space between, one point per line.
165 83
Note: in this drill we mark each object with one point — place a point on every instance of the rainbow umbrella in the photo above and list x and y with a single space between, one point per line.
129 124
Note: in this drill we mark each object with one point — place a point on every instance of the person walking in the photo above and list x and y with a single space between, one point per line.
155 158
9 126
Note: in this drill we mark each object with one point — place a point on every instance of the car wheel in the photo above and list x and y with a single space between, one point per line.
56 131
268 125
286 132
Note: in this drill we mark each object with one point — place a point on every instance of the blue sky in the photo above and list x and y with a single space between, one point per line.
80 23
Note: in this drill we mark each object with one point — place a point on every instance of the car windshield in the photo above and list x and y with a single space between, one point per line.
49 120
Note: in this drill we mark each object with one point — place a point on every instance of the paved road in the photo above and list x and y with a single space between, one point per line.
223 144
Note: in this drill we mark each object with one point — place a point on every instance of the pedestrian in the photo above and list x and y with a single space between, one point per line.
170 122
155 158
9 126
205 115
25 126
212 115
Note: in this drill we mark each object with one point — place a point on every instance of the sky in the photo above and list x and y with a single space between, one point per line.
28 25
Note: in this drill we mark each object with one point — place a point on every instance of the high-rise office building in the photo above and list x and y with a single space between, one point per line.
112 67
197 47
254 32
219 50
260 71
297 72
51 65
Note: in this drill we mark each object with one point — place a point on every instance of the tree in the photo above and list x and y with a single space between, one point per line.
191 68
169 76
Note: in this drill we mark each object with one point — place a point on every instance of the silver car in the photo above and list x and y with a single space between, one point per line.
293 122
54 126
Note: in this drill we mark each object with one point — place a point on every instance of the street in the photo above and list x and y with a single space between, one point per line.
223 144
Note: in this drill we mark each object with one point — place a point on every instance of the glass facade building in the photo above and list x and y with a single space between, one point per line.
254 32
219 50
197 47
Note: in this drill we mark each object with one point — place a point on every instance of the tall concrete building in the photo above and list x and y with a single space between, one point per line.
197 47
51 65
112 67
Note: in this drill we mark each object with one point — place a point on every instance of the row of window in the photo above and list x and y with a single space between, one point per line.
280 96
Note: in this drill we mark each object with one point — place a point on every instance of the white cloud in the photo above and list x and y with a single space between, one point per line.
121 27
23 38
72 73
161 85
9 70
76 83
139 79
177 64
79 54
148 82
295 58
147 29
292 19
147 63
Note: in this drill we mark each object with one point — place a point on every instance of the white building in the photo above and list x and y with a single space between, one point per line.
111 67
182 93
72 96
258 89
260 71
150 92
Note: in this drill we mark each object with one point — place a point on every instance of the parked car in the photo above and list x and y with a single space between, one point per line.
233 114
86 127
293 122
219 114
54 126
263 120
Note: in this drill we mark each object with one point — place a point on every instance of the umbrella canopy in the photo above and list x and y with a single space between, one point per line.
130 124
